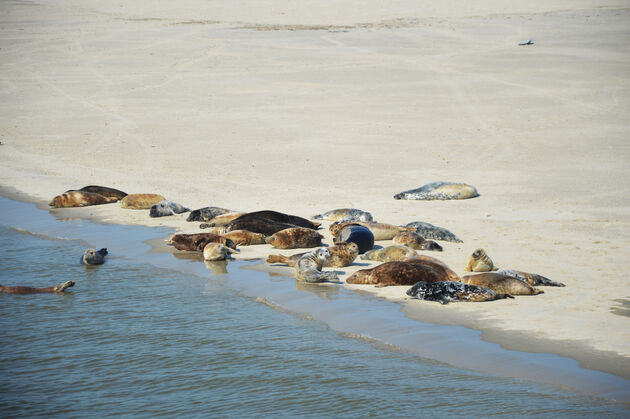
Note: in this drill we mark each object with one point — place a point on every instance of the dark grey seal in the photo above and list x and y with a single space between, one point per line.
429 231
94 257
360 235
206 213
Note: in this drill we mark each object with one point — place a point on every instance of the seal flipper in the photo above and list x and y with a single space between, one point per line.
501 296
103 252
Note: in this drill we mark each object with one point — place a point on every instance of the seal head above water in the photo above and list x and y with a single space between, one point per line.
94 257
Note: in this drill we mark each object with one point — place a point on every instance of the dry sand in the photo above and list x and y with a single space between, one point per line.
303 107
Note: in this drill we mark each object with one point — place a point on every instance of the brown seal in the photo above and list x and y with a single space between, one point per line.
341 255
479 261
294 238
381 231
29 290
396 273
140 200
105 191
436 264
198 241
79 199
245 238
390 253
279 217
501 284
415 241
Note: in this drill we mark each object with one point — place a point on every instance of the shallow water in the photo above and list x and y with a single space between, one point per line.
138 336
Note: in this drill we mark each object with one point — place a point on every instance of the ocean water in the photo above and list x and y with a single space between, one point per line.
141 336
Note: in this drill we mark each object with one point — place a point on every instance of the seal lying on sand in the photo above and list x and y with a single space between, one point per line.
105 191
217 251
79 199
341 255
255 225
429 231
206 213
166 208
396 273
198 241
439 190
29 290
279 217
479 261
309 267
245 238
501 283
223 219
531 279
415 241
447 291
140 200
381 231
390 253
436 264
94 257
295 238
344 214
357 234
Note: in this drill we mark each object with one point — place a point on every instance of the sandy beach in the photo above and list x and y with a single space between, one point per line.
302 108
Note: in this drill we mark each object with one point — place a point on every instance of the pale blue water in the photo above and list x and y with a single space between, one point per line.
135 339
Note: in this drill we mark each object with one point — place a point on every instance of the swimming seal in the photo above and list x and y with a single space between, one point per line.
30 290
396 273
390 253
429 231
479 261
501 283
245 238
447 291
436 264
140 200
531 279
381 231
198 241
105 191
94 257
166 208
440 190
217 251
79 199
415 241
294 238
341 255
360 235
279 217
206 213
309 267
344 214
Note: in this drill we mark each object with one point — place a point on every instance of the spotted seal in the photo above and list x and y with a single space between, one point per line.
340 255
105 191
501 283
206 213
396 273
30 290
166 208
360 235
435 264
79 199
390 253
531 279
217 251
440 190
245 238
198 241
447 291
140 200
295 238
223 219
94 257
429 231
415 241
309 267
381 231
344 214
479 261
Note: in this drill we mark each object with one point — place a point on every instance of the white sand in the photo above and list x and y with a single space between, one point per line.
303 107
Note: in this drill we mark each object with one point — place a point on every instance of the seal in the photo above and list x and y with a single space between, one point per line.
105 191
140 200
166 208
309 267
381 231
396 273
479 261
501 283
245 238
344 215
217 251
255 225
79 199
531 279
30 290
390 254
294 238
429 231
341 255
360 235
223 219
279 217
198 241
447 291
436 264
94 257
206 213
415 241
440 190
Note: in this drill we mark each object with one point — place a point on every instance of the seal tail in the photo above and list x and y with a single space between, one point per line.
318 217
541 280
277 259
501 296
103 252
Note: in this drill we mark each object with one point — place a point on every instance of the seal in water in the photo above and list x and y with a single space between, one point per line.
294 238
94 257
206 213
390 253
360 235
223 219
447 291
396 273
198 241
381 231
531 279
436 264
479 261
79 199
501 283
439 190
415 241
309 267
217 251
166 208
341 255
105 191
429 231
29 290
344 215
279 217
140 200
245 238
